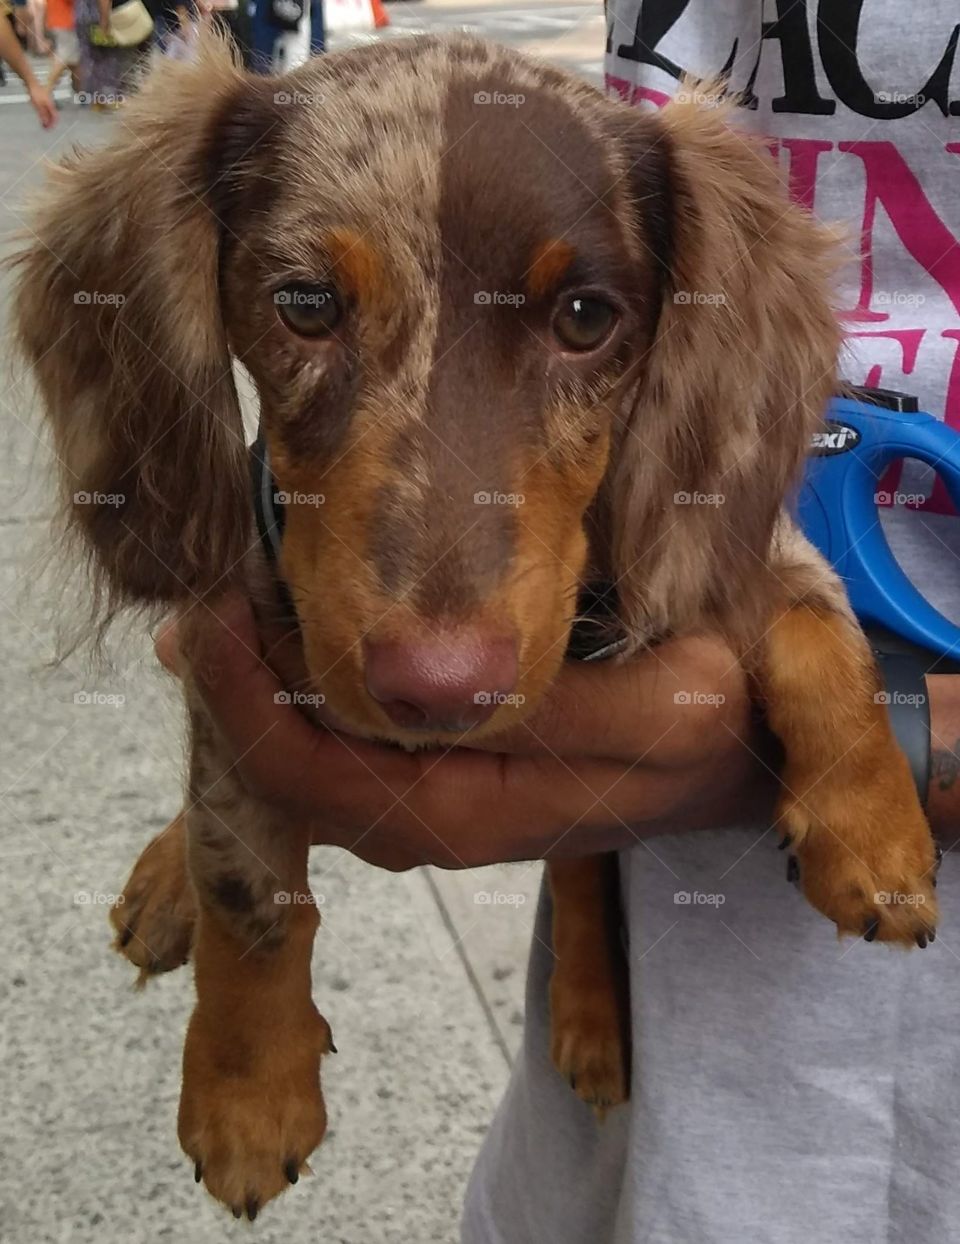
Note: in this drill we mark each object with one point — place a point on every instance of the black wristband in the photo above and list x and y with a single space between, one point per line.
908 707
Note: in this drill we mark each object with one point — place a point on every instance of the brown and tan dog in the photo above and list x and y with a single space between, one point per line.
450 271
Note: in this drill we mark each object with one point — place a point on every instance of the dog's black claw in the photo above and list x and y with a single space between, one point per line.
932 936
292 1170
922 940
333 1048
197 1172
252 1206
871 931
793 869
937 854
784 842
237 1211
125 937
573 1083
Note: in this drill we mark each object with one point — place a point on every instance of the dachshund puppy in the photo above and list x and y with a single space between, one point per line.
455 274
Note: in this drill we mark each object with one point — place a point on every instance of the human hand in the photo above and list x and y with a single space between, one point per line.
613 754
43 105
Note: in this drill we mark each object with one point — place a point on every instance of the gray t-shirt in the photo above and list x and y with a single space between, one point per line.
788 1088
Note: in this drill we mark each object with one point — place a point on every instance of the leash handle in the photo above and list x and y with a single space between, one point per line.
837 507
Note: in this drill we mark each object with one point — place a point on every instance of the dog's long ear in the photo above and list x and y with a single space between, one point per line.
742 364
117 310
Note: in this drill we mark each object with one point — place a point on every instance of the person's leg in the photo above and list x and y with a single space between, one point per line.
57 69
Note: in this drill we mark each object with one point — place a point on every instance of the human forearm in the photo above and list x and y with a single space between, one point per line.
943 804
13 53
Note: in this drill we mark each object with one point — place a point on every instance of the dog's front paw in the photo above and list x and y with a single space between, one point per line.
588 1045
154 917
251 1115
861 849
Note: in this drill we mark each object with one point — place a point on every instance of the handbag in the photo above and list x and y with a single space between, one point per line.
130 24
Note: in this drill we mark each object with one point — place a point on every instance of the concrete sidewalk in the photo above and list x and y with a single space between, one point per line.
421 979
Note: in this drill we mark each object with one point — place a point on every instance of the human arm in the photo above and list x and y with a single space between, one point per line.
14 55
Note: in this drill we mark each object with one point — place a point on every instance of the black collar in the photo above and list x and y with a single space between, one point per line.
267 506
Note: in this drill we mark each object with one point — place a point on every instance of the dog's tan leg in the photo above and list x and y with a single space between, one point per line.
251 1110
154 917
589 990
855 827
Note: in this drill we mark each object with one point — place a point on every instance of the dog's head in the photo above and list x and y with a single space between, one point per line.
502 329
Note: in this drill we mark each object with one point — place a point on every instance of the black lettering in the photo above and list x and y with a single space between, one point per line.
838 42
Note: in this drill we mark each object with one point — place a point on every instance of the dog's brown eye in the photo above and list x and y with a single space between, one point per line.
308 310
583 323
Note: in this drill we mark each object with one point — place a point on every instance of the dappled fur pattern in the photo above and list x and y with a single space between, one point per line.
380 170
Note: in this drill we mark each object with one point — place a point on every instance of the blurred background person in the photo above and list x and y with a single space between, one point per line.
172 25
13 54
105 67
60 22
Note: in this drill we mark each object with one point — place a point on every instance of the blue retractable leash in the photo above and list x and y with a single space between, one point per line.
837 507
865 431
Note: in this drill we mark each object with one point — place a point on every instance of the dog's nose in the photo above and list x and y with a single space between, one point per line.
445 683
